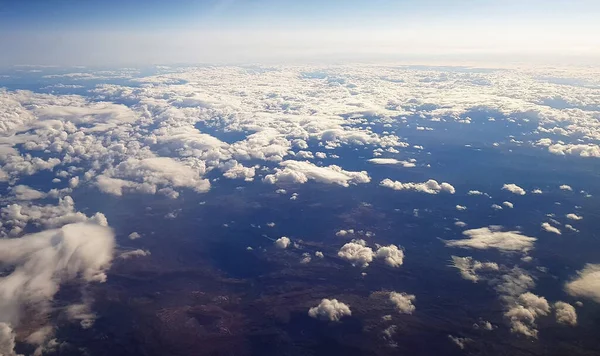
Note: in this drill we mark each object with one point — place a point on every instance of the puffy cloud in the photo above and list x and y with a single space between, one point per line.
547 227
476 192
392 255
7 340
403 302
586 284
571 228
282 242
357 253
405 164
342 233
302 171
469 267
513 188
460 223
565 313
330 309
306 258
40 262
523 313
461 342
134 253
496 207
536 191
461 208
574 216
493 237
134 236
429 187
508 204
566 187
319 254
23 192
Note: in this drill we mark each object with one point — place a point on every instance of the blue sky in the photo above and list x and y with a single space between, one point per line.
136 31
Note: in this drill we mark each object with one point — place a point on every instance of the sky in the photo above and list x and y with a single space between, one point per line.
136 32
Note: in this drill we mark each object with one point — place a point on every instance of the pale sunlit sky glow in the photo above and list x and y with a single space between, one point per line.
63 32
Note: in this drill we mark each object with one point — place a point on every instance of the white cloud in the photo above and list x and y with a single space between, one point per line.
586 284
476 192
461 342
23 192
513 188
461 208
134 253
302 171
429 187
536 191
319 254
574 216
508 204
42 261
392 255
493 237
460 223
392 161
566 187
469 267
134 236
282 242
547 227
565 313
403 302
523 313
496 207
330 309
357 253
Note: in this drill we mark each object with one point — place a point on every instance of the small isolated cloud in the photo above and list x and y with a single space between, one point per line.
523 313
282 242
330 309
508 204
513 188
477 192
302 171
306 258
536 191
565 313
429 187
461 208
344 233
403 302
496 207
587 283
469 267
493 237
319 254
461 342
405 164
547 227
134 236
271 224
392 255
574 216
571 228
460 223
566 187
357 253
135 253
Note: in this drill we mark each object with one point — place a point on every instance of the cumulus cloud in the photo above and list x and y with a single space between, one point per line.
392 255
565 313
461 342
461 208
537 191
574 216
566 187
393 161
282 242
134 236
330 309
523 313
319 254
42 261
469 267
508 204
429 187
547 227
493 237
134 253
343 233
403 302
23 192
513 188
586 284
357 252
302 171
